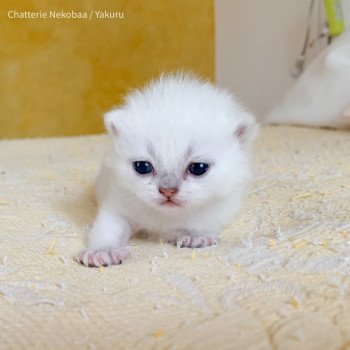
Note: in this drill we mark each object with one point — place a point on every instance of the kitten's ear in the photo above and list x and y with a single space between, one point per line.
246 130
111 119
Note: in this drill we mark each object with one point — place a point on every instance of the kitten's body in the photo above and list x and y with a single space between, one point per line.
172 123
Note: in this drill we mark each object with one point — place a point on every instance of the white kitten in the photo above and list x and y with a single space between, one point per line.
176 167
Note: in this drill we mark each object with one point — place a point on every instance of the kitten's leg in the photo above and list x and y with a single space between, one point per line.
188 240
108 240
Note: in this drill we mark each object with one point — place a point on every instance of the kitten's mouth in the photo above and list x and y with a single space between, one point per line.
170 203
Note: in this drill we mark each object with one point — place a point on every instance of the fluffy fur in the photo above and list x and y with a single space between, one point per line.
171 123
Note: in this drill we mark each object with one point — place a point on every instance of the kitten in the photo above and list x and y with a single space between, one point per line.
176 167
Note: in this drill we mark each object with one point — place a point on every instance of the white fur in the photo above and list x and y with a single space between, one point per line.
172 122
321 96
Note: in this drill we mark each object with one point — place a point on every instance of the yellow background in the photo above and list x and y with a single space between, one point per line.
57 77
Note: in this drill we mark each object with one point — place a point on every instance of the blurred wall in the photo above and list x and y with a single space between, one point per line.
346 10
58 76
257 44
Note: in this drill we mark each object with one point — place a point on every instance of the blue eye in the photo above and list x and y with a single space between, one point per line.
143 167
198 169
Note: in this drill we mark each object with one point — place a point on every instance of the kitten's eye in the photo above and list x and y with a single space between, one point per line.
198 168
143 167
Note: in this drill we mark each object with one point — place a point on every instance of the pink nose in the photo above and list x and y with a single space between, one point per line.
168 192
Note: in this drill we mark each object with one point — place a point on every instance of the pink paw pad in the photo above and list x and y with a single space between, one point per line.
196 241
102 257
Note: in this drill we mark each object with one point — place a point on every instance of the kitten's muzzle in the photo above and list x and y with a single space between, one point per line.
168 192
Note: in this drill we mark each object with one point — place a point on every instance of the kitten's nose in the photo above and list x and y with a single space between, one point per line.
168 192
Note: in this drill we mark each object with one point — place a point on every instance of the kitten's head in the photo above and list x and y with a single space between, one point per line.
180 143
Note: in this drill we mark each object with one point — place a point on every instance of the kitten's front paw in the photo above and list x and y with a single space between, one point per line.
102 257
196 241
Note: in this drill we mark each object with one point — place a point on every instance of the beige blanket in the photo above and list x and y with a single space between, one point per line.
278 280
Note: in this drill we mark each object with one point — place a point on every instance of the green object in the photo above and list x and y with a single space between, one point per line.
334 16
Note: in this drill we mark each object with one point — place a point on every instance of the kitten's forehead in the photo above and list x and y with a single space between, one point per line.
169 157
170 145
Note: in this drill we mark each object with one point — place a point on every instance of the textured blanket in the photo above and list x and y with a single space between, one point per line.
279 279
